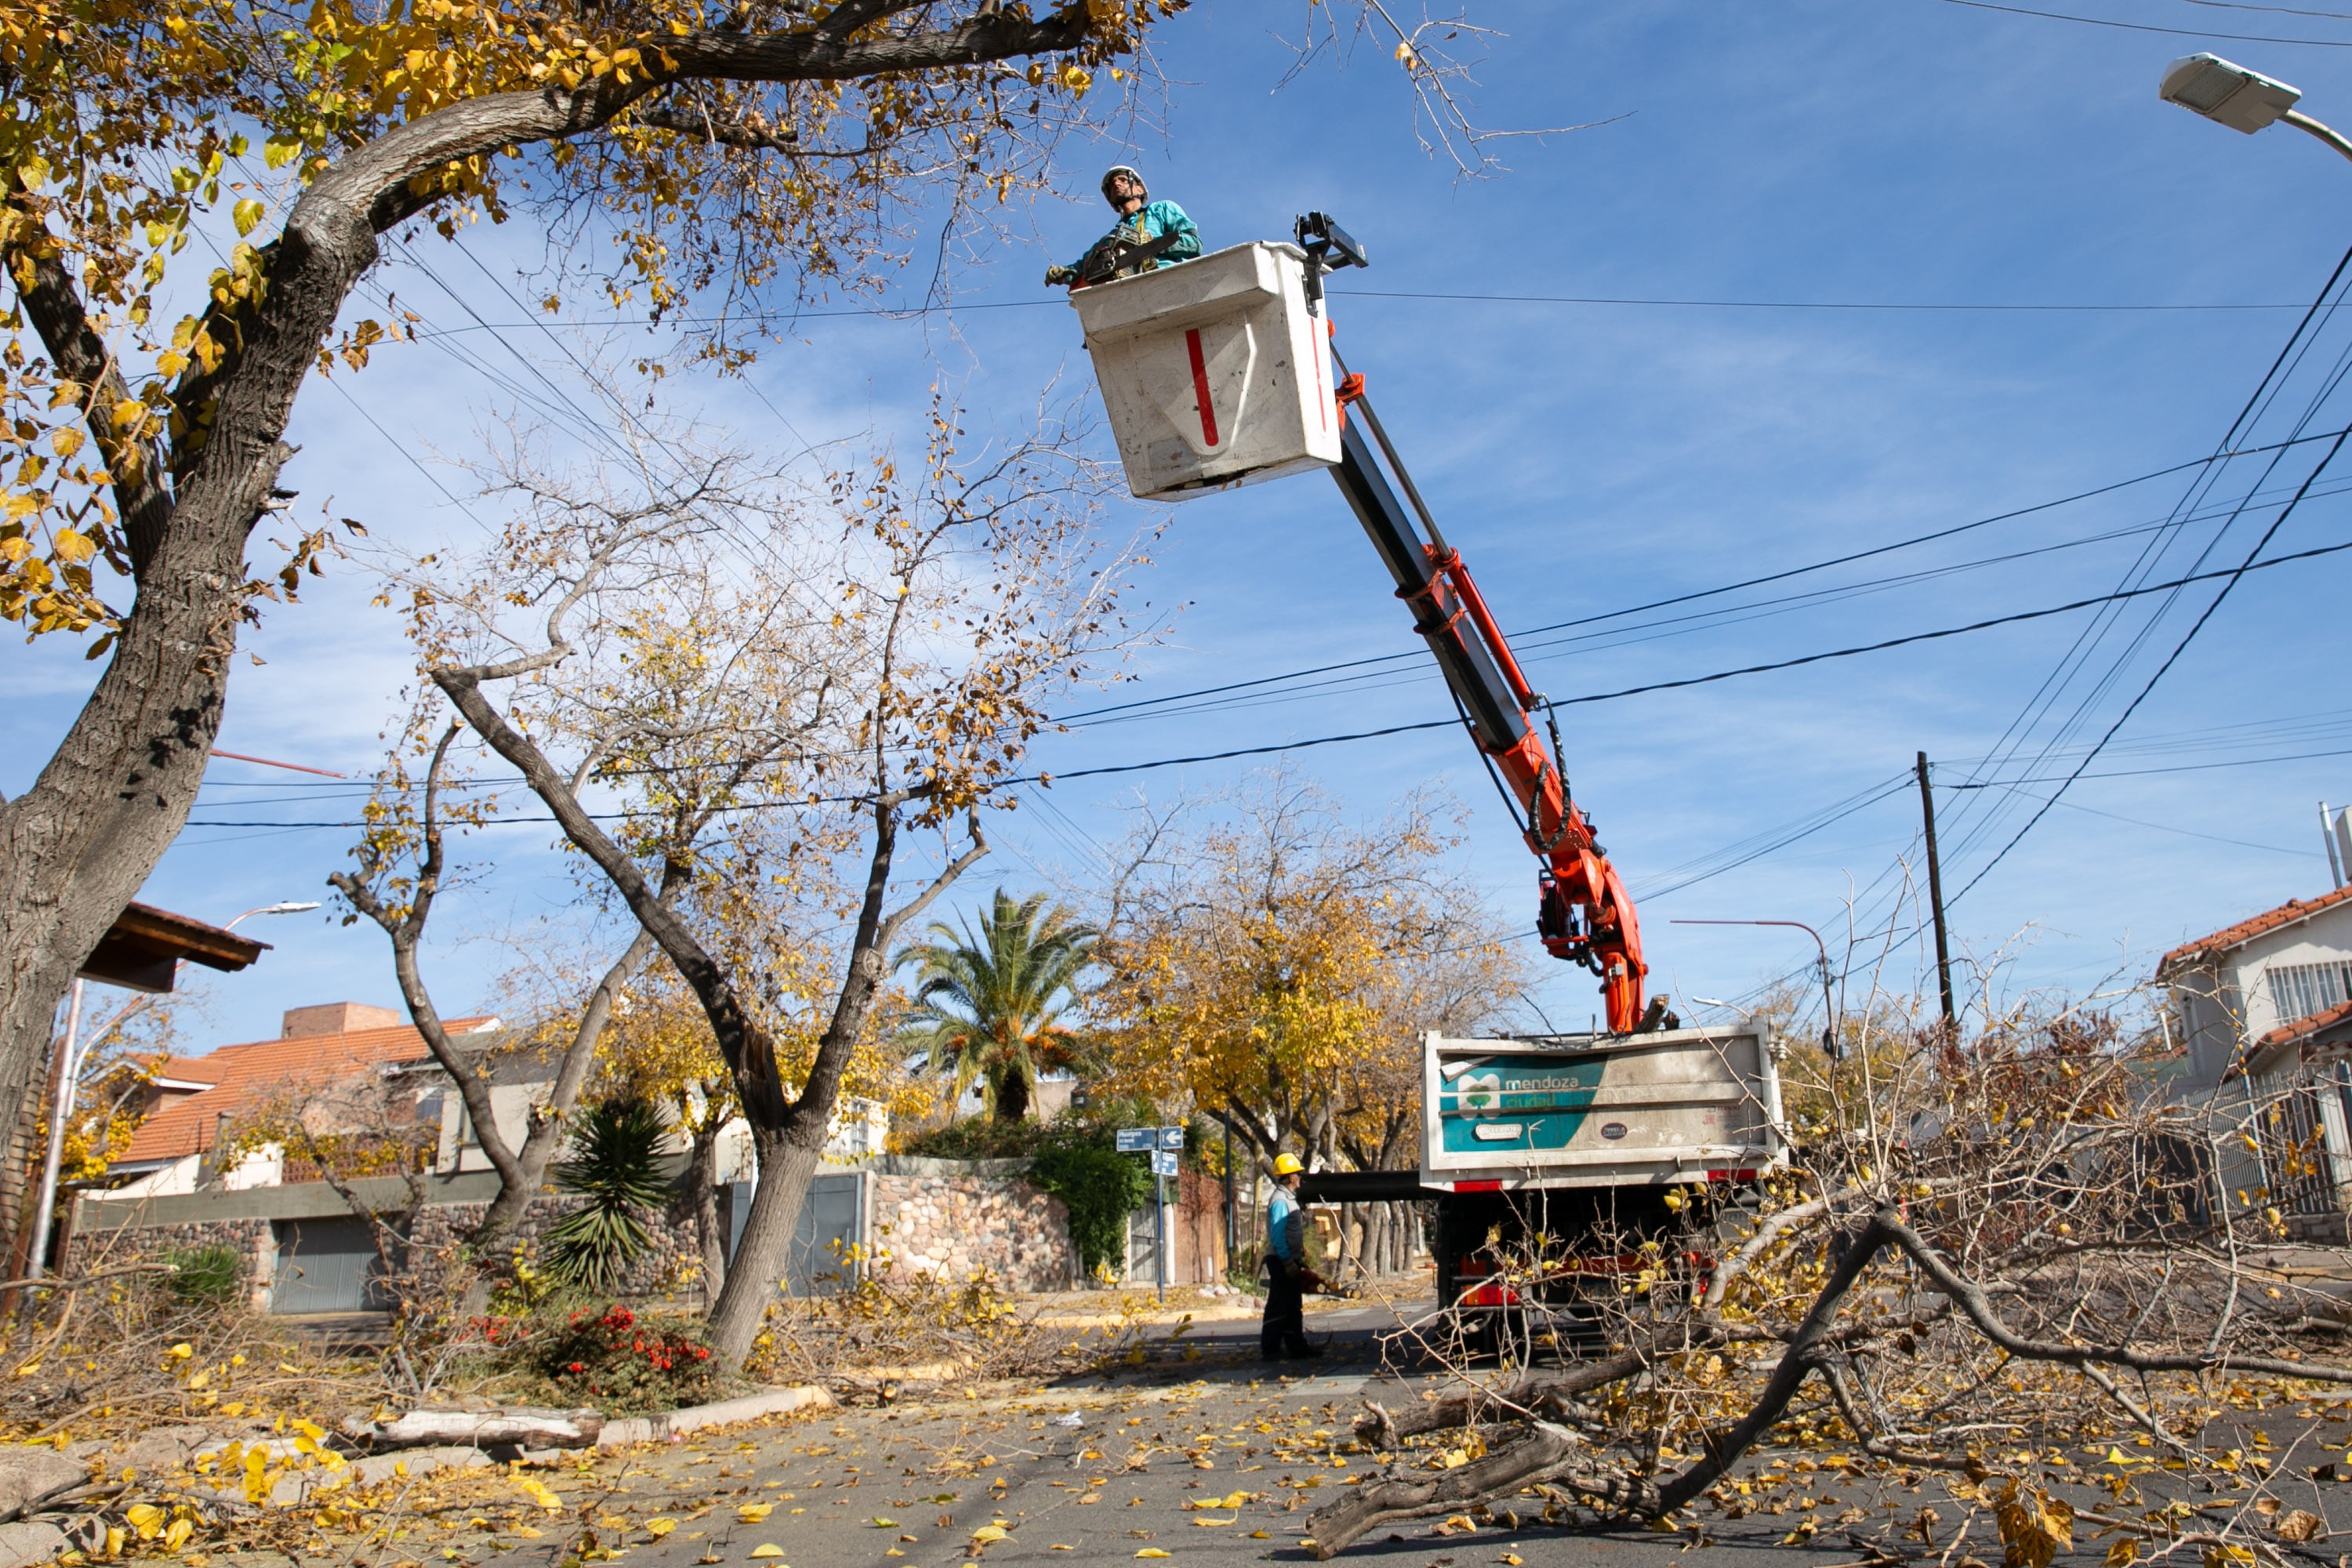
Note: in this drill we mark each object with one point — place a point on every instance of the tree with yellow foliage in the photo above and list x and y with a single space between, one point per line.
728 145
1277 966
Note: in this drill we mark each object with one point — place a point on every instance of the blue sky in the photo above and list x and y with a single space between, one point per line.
1587 459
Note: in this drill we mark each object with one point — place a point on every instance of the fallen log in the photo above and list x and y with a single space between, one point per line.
521 1426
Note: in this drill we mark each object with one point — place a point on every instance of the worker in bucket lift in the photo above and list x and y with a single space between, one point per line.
1158 230
1282 1332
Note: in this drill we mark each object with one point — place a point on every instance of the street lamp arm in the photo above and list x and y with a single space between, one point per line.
2305 122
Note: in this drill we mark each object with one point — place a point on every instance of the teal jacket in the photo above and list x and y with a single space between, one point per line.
1285 1226
1148 223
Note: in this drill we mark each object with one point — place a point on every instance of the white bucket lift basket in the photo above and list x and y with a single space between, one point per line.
1213 372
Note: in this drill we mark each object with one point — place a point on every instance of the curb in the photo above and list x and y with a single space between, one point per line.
671 1424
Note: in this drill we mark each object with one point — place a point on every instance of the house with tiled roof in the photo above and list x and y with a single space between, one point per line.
2266 994
200 1106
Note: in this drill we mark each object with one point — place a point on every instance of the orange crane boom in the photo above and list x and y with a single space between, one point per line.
1585 914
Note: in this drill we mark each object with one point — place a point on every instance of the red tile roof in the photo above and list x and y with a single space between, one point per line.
2246 930
246 1077
2302 1028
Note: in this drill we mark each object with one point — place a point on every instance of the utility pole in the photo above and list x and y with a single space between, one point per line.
1936 897
1226 1121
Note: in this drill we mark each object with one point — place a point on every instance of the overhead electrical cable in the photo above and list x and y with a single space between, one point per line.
2149 28
1694 595
1051 776
1971 825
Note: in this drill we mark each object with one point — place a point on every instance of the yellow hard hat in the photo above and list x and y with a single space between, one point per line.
1286 1164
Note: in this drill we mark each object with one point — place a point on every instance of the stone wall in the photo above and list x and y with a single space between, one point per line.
953 1217
672 1265
941 1217
91 1252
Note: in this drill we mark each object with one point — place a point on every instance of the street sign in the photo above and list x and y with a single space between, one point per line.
1137 1140
1163 1162
1171 1138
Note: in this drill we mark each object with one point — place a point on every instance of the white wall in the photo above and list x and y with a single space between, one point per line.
2223 1006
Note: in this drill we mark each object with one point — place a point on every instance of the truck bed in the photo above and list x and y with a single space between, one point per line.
1599 1110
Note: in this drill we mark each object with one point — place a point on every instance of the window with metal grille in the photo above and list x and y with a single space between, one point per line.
2299 990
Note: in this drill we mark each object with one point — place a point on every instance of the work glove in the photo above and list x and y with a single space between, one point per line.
1056 276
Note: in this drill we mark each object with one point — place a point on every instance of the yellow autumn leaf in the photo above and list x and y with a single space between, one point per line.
29 1368
246 215
881 1523
1509 1560
1151 1552
177 1535
991 1533
146 1518
660 1527
539 1494
2035 1527
753 1512
1213 1523
2123 1553
767 1549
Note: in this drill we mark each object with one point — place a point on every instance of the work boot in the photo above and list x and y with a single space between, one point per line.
1303 1351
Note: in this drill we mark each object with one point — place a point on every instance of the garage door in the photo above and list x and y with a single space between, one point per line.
327 1266
833 1219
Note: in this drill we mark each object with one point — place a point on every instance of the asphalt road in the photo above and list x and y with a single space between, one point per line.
1149 1462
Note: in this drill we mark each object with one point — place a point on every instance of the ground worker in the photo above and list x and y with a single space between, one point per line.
1282 1332
1142 221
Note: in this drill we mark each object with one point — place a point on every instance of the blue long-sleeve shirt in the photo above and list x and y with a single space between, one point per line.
1148 222
1285 1226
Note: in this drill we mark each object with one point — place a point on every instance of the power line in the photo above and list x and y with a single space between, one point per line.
1049 777
1696 595
2146 27
2039 706
2230 581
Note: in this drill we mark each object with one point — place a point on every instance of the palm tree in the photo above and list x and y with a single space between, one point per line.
989 1002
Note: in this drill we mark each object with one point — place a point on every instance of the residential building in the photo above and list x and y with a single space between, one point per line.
2246 998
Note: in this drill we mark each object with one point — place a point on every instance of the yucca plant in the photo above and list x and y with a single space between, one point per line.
617 1165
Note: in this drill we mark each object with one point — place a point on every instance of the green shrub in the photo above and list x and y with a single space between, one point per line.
625 1365
208 1276
579 1351
978 1138
1100 1187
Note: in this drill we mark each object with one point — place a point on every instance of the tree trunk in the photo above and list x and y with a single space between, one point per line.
702 1175
1013 1096
787 1164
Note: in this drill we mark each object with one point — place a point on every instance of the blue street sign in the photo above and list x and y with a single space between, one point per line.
1137 1140
1171 1138
1163 1162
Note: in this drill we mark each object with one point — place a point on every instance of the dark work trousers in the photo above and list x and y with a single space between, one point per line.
1282 1332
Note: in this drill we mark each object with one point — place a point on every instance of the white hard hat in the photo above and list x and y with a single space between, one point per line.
1113 172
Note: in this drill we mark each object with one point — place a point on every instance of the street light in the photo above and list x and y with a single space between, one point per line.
1829 1003
69 1066
2244 101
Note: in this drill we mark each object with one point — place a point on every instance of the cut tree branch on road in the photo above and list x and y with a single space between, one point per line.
2040 1265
